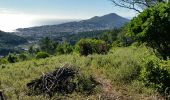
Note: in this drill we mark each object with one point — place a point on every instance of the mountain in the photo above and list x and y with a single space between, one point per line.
106 22
8 42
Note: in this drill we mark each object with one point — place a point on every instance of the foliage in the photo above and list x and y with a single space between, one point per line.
23 56
152 27
90 46
74 38
116 67
48 45
42 55
9 43
64 48
156 76
10 39
31 50
3 61
12 58
110 36
86 84
123 39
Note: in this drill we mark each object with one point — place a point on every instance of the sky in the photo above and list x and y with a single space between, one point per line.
27 13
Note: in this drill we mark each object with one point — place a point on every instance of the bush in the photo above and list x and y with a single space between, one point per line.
23 57
42 55
156 76
127 74
86 84
3 61
64 48
152 27
90 46
12 58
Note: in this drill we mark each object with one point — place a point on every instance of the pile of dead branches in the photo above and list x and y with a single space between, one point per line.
1 95
60 80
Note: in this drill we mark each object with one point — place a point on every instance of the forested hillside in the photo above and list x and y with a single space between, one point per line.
9 41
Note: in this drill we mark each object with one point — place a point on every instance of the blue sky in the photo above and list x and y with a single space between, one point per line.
72 8
30 10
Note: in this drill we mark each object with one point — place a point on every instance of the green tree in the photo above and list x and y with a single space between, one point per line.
31 50
152 26
122 38
90 46
48 45
110 36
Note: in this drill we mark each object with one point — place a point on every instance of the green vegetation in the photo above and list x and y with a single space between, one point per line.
90 46
64 48
42 55
74 38
122 62
151 26
110 36
12 58
47 45
8 42
125 67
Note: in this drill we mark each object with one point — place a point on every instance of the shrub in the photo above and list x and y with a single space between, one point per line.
42 55
86 84
156 76
3 61
127 73
12 58
90 46
152 27
23 57
64 48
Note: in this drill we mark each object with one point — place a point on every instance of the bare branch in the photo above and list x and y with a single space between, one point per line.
129 5
136 4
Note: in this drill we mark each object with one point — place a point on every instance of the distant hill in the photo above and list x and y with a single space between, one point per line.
8 42
105 22
11 39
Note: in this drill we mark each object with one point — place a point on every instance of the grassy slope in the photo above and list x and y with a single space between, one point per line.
118 67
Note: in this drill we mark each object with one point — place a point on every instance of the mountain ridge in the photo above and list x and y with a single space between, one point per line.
106 22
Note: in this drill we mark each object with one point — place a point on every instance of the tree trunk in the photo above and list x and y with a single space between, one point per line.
1 96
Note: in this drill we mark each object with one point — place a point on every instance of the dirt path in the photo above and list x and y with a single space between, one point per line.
111 93
108 91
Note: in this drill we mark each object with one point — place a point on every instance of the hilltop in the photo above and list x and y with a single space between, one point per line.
106 22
